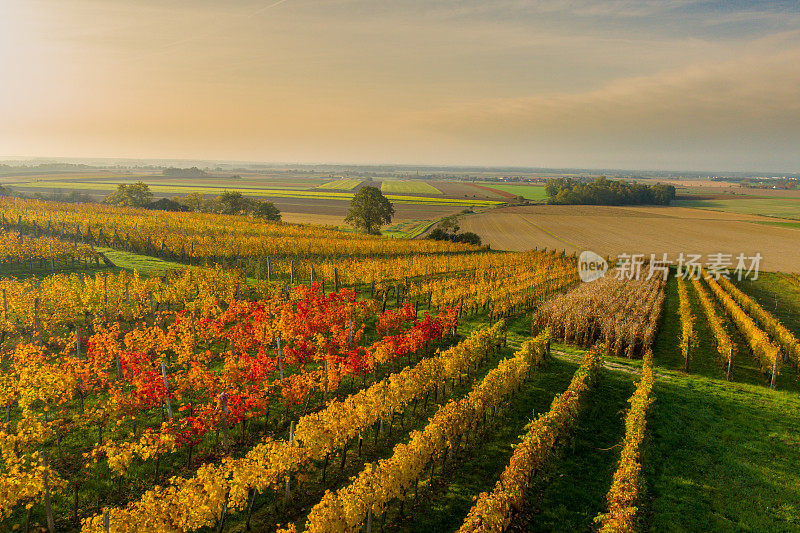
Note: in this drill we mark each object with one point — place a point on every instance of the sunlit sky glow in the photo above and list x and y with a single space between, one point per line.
670 84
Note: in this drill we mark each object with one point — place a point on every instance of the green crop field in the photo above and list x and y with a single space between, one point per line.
408 187
341 185
529 192
771 207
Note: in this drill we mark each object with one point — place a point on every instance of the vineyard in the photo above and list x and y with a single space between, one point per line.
294 378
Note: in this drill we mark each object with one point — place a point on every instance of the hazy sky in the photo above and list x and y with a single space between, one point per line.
675 84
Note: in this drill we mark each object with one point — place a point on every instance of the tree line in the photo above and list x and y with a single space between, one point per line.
227 203
603 191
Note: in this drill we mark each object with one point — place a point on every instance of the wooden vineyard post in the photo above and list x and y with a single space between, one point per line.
335 279
385 390
325 392
280 356
369 512
372 286
269 269
291 272
312 274
223 400
730 362
5 305
289 479
48 509
106 521
688 350
350 332
774 370
253 493
166 391
194 335
223 514
78 341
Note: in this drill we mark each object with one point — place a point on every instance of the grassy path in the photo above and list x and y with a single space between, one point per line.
722 455
445 507
581 478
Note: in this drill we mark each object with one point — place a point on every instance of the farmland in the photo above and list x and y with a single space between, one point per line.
408 187
301 197
340 184
779 207
180 409
617 230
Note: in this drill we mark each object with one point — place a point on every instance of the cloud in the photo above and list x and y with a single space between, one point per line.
752 96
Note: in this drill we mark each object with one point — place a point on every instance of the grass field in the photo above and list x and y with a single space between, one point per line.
795 225
529 192
772 207
341 185
408 187
617 230
408 229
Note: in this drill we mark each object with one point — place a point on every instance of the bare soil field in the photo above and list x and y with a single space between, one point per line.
494 191
455 189
617 230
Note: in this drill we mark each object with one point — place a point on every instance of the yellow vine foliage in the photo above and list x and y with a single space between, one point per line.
390 479
494 510
18 248
687 320
724 345
765 351
782 336
204 235
622 499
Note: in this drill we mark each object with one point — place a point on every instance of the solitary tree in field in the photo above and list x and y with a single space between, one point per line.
131 195
369 210
267 211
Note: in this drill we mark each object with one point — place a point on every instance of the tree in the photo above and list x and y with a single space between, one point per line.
267 211
234 203
165 204
369 210
193 200
450 225
131 195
